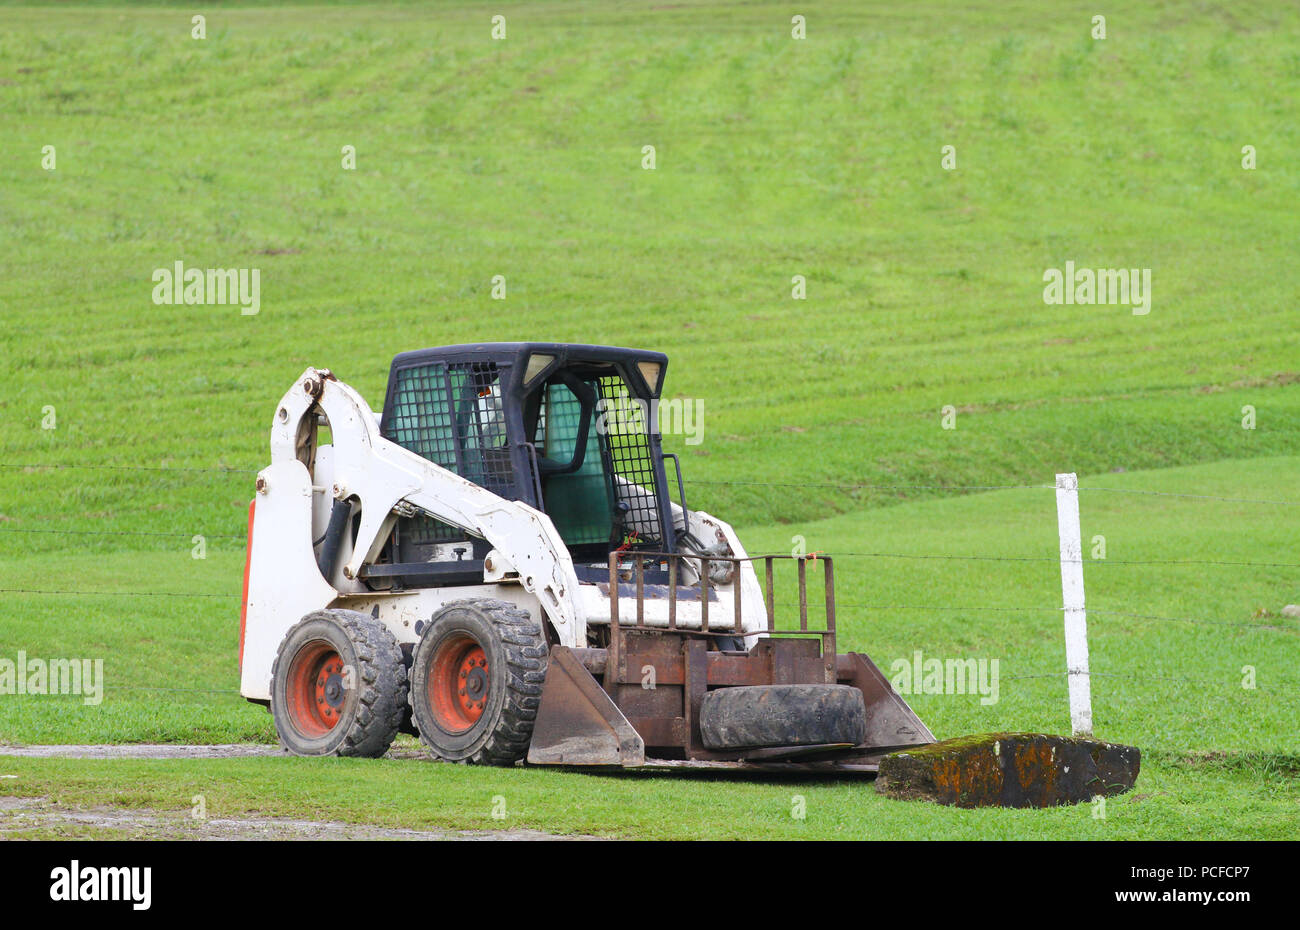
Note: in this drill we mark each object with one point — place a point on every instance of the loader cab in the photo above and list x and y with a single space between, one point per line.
565 428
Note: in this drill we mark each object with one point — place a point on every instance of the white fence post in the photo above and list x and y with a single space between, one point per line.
1076 619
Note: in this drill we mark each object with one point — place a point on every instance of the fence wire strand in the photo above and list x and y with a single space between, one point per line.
846 486
842 486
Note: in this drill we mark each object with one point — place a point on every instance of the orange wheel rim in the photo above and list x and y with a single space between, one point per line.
458 683
316 691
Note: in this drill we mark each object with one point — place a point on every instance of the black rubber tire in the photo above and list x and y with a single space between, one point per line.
369 711
407 725
782 715
514 646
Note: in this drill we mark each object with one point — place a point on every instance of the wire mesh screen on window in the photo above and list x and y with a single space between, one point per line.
421 416
481 428
627 441
452 416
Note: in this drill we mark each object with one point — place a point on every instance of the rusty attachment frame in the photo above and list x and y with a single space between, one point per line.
597 708
638 560
618 629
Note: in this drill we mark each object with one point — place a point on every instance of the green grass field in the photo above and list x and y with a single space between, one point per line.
775 158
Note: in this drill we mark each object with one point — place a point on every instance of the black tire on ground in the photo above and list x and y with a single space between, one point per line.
407 725
782 715
476 682
338 686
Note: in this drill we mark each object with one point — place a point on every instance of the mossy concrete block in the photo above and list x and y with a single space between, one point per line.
1009 770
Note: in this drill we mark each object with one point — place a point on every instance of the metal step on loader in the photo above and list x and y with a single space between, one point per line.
495 563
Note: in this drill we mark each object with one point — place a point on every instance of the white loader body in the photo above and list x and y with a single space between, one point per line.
528 565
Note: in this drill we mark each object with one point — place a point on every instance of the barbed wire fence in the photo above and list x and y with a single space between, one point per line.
1055 610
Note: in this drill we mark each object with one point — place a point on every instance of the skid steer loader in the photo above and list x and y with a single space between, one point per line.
495 564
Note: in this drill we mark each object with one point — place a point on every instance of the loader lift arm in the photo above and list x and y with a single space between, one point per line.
388 481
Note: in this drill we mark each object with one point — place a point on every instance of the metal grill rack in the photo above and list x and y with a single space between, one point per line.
626 440
466 435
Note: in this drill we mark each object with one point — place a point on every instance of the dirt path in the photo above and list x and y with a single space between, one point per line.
143 751
44 818
21 817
